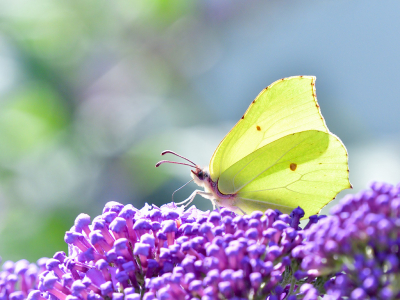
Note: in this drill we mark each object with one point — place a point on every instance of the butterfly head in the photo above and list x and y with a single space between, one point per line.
200 176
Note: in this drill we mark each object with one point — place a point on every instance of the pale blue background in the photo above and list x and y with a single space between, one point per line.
92 91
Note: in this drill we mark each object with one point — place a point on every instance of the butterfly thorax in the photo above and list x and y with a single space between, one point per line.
202 178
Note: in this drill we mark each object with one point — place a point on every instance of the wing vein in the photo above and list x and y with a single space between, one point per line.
264 202
233 179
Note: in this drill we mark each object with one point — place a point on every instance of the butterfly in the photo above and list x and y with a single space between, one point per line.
280 155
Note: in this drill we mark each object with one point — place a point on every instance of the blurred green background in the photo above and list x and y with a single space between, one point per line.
92 91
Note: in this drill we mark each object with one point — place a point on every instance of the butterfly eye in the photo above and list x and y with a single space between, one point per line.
200 174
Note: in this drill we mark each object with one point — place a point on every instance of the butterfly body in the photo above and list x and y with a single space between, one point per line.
203 179
279 155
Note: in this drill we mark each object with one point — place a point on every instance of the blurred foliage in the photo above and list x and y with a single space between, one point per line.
92 91
79 80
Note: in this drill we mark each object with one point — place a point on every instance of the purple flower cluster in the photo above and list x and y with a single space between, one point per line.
168 253
358 247
223 256
18 279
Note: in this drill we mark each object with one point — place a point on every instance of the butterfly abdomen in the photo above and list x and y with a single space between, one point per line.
202 178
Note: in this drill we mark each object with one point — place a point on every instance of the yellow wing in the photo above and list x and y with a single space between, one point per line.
304 169
287 106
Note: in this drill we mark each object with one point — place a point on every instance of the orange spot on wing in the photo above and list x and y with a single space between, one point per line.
258 128
293 166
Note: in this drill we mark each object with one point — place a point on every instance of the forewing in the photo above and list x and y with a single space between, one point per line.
306 169
287 106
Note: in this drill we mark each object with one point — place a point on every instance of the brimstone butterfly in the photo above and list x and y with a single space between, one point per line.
279 155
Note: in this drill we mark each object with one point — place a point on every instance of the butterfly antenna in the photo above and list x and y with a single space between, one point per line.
180 188
176 154
172 162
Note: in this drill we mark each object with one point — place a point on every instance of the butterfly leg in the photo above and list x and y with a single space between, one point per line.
241 210
190 199
215 204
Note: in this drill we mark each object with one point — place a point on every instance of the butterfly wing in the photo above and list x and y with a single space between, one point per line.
304 169
288 105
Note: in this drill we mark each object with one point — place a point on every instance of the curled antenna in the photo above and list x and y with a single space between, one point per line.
193 165
172 162
172 152
180 188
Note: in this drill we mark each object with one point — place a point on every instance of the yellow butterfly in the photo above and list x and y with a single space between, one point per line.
279 155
